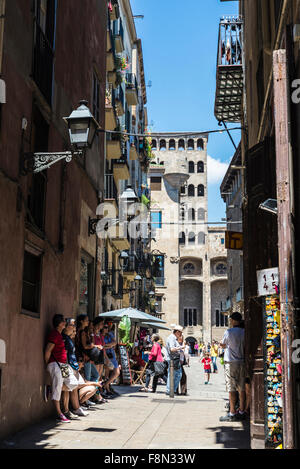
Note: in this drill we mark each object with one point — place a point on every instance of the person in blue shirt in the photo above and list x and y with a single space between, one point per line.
110 344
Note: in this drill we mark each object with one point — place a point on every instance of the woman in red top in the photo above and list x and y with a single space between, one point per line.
56 354
206 360
154 356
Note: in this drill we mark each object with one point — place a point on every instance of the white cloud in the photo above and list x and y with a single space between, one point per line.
216 170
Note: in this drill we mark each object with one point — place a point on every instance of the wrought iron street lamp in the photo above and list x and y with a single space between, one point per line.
82 130
82 127
123 260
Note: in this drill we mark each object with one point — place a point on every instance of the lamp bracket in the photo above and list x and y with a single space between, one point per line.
37 162
93 225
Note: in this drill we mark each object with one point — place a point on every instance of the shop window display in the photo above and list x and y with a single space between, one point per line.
273 372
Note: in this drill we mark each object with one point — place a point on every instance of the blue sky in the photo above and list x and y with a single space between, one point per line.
179 41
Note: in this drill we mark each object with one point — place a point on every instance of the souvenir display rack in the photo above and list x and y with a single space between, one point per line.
273 372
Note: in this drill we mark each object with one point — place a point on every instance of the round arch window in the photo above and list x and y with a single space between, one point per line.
221 269
189 268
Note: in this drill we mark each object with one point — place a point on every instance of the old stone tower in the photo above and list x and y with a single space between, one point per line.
191 283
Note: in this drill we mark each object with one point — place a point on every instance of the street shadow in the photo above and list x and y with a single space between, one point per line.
233 437
37 435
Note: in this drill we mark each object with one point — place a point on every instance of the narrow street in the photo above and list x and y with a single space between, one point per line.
137 420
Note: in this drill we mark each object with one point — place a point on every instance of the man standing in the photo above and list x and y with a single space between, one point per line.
234 366
173 353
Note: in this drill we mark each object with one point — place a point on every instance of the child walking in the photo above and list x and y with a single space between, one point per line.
206 360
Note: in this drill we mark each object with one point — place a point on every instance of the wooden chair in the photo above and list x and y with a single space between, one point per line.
140 376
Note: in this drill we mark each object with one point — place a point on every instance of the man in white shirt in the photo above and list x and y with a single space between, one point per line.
173 349
233 343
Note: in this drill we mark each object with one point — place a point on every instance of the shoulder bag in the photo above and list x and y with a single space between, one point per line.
64 368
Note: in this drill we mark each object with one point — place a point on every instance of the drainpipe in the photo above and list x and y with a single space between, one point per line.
2 21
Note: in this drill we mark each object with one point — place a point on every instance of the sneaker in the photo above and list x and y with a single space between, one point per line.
47 392
71 416
63 418
80 412
228 418
90 403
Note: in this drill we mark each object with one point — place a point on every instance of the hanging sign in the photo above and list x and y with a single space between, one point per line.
234 240
124 358
268 281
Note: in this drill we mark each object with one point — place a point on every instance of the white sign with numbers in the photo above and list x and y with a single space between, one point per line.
268 281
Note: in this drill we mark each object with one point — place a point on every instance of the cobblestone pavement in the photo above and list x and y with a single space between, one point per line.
145 420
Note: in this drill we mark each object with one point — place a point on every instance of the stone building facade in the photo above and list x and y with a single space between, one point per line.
191 282
232 193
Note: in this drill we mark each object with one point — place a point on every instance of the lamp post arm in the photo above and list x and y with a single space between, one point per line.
37 162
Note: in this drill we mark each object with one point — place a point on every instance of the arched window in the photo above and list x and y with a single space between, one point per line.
192 238
182 190
200 144
191 190
182 238
221 269
172 144
191 167
201 238
200 190
201 214
162 145
191 214
182 213
189 268
190 144
181 145
154 144
200 167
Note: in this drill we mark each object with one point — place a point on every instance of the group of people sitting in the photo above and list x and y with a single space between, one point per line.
81 360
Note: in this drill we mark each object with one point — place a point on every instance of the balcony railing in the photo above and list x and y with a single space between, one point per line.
131 81
118 34
110 188
43 56
132 264
229 89
119 95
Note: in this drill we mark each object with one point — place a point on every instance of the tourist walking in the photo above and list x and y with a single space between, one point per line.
206 360
156 366
234 367
173 353
183 380
214 355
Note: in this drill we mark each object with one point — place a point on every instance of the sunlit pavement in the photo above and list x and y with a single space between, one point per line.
146 420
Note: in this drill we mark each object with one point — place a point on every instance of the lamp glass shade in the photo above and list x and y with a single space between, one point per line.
82 126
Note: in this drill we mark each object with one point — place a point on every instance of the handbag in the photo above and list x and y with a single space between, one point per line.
64 368
159 368
176 362
95 354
